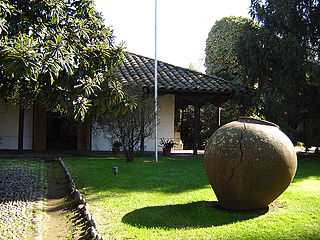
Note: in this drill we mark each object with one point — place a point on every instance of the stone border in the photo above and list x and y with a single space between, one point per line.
82 205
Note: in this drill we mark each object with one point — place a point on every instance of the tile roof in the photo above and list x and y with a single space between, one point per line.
139 70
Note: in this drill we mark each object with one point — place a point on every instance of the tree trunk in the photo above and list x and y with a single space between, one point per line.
128 150
129 155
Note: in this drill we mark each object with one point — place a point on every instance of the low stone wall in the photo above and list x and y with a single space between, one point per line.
81 204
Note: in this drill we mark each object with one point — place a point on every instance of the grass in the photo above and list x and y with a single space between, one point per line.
172 199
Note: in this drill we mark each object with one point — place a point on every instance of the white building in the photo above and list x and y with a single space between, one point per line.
177 88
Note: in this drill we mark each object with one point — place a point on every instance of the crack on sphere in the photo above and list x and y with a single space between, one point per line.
241 153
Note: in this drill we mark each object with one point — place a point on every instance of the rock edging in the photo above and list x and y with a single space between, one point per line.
82 205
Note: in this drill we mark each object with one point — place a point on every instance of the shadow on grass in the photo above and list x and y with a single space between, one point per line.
191 215
169 175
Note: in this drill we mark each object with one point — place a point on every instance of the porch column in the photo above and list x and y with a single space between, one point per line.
79 129
88 136
218 116
182 125
39 128
21 130
196 128
142 126
83 132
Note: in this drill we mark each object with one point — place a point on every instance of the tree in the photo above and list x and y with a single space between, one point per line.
131 126
222 61
57 53
221 48
281 58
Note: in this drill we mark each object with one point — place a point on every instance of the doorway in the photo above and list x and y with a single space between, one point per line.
61 133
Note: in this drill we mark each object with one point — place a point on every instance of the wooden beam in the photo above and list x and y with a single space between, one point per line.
183 100
142 126
196 128
218 116
39 128
21 130
182 125
88 135
79 131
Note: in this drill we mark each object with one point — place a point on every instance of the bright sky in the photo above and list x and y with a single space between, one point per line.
183 26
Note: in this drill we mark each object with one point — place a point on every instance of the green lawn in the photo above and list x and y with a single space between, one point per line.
172 199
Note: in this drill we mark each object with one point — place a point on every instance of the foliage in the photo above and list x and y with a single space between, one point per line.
208 123
57 53
281 59
116 146
229 112
130 126
222 61
221 56
167 143
172 199
184 123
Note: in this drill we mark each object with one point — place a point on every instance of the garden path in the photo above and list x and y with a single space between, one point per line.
34 203
60 222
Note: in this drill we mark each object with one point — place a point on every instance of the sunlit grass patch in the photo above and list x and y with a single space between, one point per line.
172 199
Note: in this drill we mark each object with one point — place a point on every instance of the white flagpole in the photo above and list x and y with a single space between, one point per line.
156 86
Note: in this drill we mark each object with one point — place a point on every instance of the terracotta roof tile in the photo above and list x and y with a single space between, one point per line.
139 70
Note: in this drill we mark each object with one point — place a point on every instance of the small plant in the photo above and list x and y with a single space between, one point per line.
116 146
167 143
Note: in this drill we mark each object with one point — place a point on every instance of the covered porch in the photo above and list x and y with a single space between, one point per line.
188 87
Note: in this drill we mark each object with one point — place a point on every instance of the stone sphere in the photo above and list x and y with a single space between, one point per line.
249 163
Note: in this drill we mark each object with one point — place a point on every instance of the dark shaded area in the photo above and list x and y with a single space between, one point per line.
56 180
61 133
191 215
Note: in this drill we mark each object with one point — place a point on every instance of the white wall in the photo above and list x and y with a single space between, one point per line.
9 125
100 141
166 121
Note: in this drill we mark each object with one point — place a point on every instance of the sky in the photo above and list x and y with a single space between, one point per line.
182 29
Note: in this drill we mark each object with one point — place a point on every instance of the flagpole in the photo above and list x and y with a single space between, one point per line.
156 84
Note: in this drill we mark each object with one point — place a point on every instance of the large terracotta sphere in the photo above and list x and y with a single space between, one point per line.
249 163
